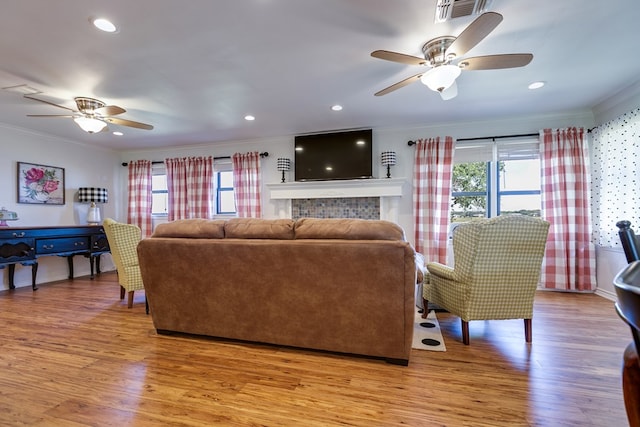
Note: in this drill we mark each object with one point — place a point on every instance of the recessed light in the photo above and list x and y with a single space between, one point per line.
118 133
536 85
336 107
249 117
104 25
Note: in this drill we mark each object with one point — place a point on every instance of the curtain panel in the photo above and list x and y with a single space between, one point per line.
190 187
247 184
569 262
615 177
140 196
432 175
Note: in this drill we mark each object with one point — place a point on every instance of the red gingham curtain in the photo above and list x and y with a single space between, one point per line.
432 173
247 184
189 187
140 197
569 262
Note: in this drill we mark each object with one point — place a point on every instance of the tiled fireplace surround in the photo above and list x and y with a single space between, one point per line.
361 198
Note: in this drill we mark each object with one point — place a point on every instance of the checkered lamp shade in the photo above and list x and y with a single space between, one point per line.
284 164
388 158
93 194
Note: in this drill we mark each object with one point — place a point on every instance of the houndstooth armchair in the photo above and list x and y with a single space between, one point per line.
496 271
123 241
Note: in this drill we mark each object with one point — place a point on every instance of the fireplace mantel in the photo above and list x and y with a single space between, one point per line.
389 191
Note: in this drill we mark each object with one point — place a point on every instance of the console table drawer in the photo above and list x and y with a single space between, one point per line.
99 243
62 245
16 250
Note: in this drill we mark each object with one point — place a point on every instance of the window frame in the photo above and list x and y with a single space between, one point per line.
159 170
493 191
219 190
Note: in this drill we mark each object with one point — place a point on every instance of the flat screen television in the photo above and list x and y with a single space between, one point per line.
336 155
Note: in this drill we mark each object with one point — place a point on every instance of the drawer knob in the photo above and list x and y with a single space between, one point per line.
18 234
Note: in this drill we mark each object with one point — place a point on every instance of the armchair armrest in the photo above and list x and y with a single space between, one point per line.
440 270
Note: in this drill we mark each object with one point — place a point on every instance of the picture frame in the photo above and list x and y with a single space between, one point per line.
40 184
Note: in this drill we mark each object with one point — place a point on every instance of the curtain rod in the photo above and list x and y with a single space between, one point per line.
155 162
522 135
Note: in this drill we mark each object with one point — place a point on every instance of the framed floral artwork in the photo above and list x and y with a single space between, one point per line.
40 184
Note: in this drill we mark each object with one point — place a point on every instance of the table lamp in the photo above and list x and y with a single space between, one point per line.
93 195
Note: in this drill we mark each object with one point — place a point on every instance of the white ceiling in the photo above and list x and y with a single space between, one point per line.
195 68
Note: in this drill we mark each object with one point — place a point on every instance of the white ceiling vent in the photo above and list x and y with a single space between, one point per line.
447 10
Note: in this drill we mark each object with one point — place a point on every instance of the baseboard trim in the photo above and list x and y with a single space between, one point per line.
606 294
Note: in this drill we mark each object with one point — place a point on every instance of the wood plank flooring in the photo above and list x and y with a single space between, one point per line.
73 355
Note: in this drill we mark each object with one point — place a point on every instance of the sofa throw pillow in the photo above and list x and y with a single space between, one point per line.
191 228
255 228
350 229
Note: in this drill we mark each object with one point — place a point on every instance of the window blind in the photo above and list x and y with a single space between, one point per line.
493 150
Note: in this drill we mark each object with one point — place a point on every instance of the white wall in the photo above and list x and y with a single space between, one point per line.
84 166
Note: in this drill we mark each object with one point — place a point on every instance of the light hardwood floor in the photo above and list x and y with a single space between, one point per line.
73 355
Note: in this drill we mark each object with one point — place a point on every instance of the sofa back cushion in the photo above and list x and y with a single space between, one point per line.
193 228
255 228
349 229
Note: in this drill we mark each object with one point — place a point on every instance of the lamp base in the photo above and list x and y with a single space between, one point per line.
388 171
93 217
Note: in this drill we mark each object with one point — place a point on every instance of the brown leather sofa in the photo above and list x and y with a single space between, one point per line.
340 285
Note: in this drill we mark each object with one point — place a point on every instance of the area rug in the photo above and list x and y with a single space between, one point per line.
426 333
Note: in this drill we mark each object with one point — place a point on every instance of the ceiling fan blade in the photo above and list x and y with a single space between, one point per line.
49 103
496 62
474 33
450 92
50 115
398 85
109 110
398 57
130 123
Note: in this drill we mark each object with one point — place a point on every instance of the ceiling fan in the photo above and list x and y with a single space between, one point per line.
92 115
441 52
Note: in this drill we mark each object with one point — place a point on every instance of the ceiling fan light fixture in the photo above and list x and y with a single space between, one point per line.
440 78
90 124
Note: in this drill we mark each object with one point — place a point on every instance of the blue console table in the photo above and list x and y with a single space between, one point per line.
25 245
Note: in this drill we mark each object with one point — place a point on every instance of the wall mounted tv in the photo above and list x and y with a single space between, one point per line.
337 155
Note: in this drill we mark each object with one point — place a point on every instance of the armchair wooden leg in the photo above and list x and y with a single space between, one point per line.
130 300
527 330
122 291
425 309
465 332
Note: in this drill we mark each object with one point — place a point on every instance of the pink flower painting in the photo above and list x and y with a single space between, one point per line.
40 184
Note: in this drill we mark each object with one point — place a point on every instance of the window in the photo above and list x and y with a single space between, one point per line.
159 191
225 198
505 180
225 203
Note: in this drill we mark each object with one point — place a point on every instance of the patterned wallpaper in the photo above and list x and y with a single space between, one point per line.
347 207
615 187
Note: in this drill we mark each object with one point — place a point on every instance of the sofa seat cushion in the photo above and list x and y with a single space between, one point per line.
347 229
193 228
254 228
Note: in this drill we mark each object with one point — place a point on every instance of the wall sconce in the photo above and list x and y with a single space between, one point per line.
388 159
93 195
284 165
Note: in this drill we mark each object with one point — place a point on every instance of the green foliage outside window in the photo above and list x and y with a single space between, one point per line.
470 178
